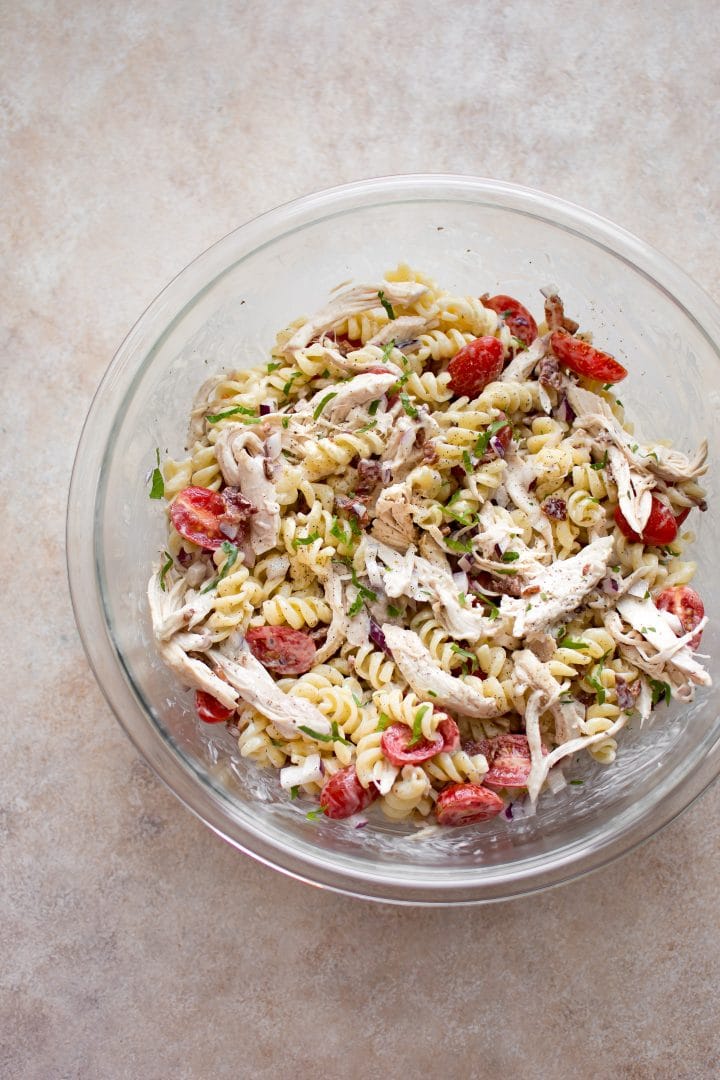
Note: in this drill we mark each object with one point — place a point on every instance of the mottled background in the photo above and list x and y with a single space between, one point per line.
134 942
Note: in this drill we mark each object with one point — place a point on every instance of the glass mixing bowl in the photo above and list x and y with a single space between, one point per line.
222 312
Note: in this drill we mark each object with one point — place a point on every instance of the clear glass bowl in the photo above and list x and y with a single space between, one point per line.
222 312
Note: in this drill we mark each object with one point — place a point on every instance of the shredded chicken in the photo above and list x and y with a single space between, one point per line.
521 365
530 672
241 456
358 391
394 524
430 682
352 302
405 328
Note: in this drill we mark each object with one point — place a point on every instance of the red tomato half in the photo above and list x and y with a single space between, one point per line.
684 602
451 735
463 804
395 746
478 363
344 795
517 317
209 708
282 649
509 761
584 359
196 513
661 527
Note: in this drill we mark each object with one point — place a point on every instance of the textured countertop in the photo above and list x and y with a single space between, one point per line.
134 942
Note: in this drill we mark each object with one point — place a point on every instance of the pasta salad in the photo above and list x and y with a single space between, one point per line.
419 558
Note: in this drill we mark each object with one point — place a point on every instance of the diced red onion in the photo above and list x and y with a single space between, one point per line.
508 812
361 824
497 446
377 637
230 531
610 586
564 411
266 408
465 563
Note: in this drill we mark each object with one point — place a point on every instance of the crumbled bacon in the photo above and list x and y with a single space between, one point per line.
549 374
556 508
355 506
555 316
497 585
238 512
430 454
626 693
368 476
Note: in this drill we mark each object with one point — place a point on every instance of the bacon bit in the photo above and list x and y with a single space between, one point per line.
549 374
430 454
368 476
184 558
344 345
555 316
530 590
355 506
586 569
497 586
626 694
555 508
238 512
585 698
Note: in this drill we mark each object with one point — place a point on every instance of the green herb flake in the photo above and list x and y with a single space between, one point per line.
319 408
467 462
157 491
384 721
232 553
601 464
431 693
510 556
506 573
355 606
315 734
484 440
337 736
470 661
273 367
577 783
462 599
408 406
607 386
568 643
294 791
619 402
288 385
386 304
367 427
393 612
596 684
462 519
543 596
661 691
634 448
304 541
670 552
373 407
285 421
417 726
248 416
358 701
387 350
164 569
459 545
313 815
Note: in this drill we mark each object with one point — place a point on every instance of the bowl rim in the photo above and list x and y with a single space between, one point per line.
83 513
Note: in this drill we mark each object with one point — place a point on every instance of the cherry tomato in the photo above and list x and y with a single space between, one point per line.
280 648
684 602
661 527
196 513
584 359
680 518
509 762
463 804
451 735
395 746
343 795
478 363
517 317
209 708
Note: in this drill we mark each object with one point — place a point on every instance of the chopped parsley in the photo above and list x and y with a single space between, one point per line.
386 304
165 567
597 686
384 721
417 726
288 385
431 693
568 643
458 545
294 791
247 416
358 701
484 440
467 462
286 421
601 464
607 386
670 552
387 350
661 691
232 553
506 573
304 541
313 815
363 593
408 405
367 427
510 556
470 661
462 599
577 783
462 519
157 491
316 734
634 448
619 402
393 612
336 735
319 408
373 407
273 367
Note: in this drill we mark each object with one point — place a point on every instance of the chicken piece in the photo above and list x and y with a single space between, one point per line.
256 686
200 409
394 524
359 391
340 622
190 670
555 316
634 490
242 459
394 577
538 774
462 696
568 715
530 672
356 362
181 611
520 366
672 465
519 475
406 328
352 302
668 648
562 586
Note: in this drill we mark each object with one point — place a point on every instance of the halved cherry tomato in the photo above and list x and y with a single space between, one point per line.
585 359
280 648
680 518
196 513
395 746
478 363
209 708
661 527
463 804
684 602
343 795
451 735
509 762
517 317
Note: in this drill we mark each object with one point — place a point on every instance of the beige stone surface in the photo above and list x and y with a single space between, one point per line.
135 943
